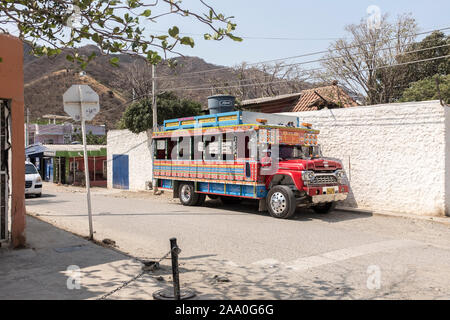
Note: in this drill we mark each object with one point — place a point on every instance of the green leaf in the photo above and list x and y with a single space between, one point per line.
147 13
187 41
114 61
1 59
69 58
234 38
173 32
207 36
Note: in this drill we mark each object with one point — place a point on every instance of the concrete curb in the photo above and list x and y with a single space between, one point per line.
441 220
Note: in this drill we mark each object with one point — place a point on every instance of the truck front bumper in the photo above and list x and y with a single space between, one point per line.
321 194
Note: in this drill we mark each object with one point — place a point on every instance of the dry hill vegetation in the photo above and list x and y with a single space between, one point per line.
46 79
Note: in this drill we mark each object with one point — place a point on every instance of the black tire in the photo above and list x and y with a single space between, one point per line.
230 200
38 195
201 199
281 202
187 194
324 208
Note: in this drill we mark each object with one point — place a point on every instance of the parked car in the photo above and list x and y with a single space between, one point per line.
33 180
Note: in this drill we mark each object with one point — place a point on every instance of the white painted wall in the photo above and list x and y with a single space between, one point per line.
138 149
399 154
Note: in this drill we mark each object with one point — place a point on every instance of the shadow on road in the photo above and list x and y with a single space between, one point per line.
301 214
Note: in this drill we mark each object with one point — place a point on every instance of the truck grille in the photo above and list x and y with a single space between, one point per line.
28 184
325 179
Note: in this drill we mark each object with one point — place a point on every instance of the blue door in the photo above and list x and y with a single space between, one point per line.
120 171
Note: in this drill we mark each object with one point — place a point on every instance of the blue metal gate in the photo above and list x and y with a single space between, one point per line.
120 171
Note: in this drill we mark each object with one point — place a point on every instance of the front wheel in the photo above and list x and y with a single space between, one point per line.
187 194
281 202
324 208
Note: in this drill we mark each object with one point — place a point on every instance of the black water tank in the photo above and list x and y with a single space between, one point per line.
221 103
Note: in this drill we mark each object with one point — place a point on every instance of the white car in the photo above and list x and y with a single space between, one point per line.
33 180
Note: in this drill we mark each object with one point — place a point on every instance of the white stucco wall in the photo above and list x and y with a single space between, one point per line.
397 156
138 149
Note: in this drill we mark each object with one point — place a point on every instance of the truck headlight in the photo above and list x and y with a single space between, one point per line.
308 175
340 175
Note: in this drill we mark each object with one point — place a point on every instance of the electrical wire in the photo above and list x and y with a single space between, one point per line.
310 70
297 56
322 60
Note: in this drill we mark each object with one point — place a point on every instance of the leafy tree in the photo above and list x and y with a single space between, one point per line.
426 89
138 117
419 51
116 26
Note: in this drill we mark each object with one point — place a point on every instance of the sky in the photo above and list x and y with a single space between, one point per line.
314 23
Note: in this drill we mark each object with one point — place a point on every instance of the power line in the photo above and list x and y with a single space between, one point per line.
299 56
285 80
321 60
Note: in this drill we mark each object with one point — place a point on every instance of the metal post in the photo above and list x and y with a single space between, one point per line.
86 168
94 168
155 121
59 170
175 272
26 128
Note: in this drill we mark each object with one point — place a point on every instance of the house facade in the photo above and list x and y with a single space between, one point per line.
327 97
59 133
64 164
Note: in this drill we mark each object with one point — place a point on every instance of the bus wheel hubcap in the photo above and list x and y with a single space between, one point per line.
185 193
278 202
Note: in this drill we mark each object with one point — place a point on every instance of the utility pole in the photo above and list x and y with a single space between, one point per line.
155 123
86 167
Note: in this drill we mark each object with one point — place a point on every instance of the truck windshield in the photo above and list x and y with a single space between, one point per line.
299 152
30 169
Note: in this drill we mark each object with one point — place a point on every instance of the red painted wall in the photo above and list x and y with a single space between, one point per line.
11 88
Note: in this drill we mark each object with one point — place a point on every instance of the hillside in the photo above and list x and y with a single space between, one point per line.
46 79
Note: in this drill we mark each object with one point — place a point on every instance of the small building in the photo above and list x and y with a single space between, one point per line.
329 97
59 133
64 164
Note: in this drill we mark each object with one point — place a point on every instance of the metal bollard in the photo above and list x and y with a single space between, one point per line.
176 293
175 272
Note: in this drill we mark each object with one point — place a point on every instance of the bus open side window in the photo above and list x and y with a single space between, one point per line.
212 145
243 145
228 147
171 149
184 148
161 147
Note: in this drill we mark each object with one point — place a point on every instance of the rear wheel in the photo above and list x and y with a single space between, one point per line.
281 202
187 194
324 208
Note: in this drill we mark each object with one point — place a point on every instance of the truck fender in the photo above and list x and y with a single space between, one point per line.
286 177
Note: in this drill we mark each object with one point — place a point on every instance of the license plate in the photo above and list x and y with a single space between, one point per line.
330 190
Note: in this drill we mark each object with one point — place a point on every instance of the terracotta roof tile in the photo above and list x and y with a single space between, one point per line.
332 94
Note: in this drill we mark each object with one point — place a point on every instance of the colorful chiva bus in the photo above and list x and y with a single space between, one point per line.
272 158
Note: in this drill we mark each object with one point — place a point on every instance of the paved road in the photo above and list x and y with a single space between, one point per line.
342 255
